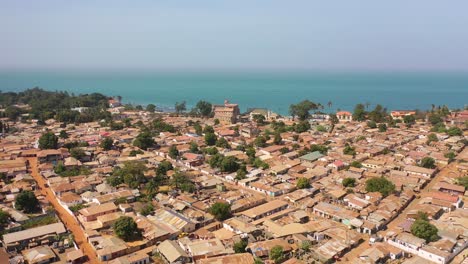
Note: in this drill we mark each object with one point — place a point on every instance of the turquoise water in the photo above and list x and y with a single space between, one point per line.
275 91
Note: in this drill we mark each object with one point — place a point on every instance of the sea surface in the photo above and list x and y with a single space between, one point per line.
273 90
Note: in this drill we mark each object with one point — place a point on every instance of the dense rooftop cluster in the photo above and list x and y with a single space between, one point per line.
217 186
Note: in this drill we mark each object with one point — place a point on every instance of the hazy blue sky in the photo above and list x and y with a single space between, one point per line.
239 34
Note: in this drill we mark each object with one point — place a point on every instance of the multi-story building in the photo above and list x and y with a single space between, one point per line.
227 113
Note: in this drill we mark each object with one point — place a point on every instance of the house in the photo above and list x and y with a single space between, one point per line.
13 167
419 171
39 255
49 156
344 116
399 114
21 239
200 249
450 188
108 248
92 213
172 252
132 258
262 249
265 209
241 258
227 113
335 212
310 157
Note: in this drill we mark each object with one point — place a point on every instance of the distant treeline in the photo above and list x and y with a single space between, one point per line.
44 105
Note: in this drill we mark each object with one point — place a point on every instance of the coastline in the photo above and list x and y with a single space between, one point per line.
275 91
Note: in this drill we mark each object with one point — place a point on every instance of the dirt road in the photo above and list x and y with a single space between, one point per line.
66 218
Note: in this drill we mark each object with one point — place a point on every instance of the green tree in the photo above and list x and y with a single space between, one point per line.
423 229
454 131
164 167
223 143
63 134
194 147
173 152
12 112
303 183
349 150
428 163
27 202
302 109
431 138
48 141
321 128
371 124
334 119
260 142
229 164
151 108
277 254
359 113
302 126
198 129
107 143
132 174
180 107
144 140
450 156
208 129
380 184
241 173
239 247
77 153
216 121
378 114
147 209
210 139
259 119
382 127
220 211
356 164
4 218
409 119
277 139
349 182
126 228
463 181
204 108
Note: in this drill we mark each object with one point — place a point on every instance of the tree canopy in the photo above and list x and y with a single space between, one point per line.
107 143
151 108
126 228
425 230
428 163
144 140
380 184
349 182
26 201
303 183
210 139
221 211
203 108
277 254
302 110
359 113
48 140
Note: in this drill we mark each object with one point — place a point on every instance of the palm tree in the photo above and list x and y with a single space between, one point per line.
329 104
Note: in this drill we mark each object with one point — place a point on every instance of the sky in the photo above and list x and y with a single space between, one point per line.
396 35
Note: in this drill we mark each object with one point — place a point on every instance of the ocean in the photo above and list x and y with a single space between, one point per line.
273 90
